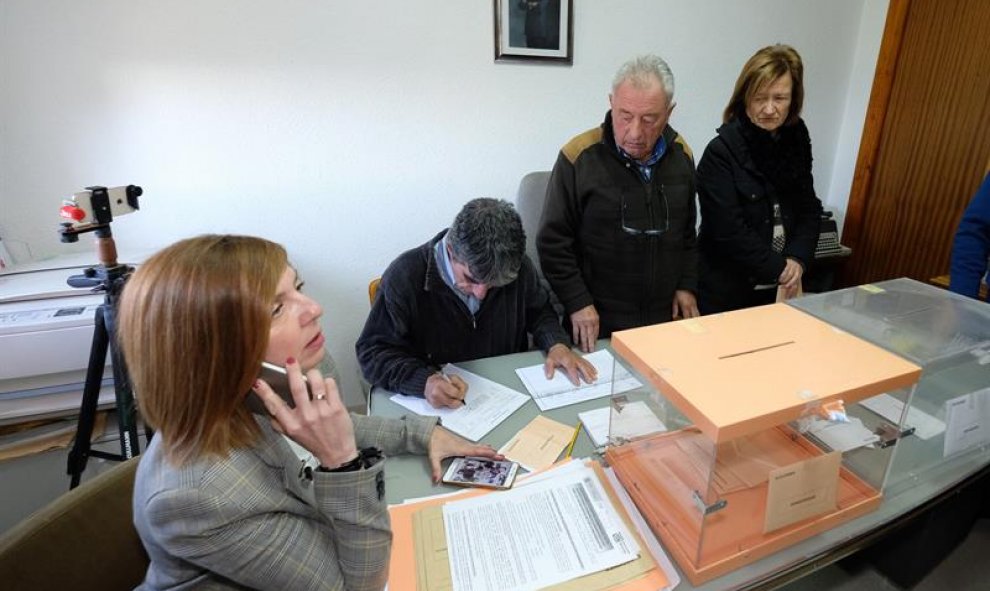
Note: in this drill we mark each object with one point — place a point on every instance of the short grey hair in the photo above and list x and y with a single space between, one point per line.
487 236
642 70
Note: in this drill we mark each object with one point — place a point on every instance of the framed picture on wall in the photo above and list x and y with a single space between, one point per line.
540 30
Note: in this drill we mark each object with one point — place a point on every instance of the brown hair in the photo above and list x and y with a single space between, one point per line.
763 68
193 325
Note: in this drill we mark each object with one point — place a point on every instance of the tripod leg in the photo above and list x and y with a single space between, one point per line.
130 444
79 454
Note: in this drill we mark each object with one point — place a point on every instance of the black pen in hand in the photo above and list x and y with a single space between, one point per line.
447 378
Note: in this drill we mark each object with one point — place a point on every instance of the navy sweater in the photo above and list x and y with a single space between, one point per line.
971 247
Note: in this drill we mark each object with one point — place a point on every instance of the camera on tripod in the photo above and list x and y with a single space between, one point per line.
92 210
95 208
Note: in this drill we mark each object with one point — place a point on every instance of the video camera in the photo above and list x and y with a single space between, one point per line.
95 207
92 210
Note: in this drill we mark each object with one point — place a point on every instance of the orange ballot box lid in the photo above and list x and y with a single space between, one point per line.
745 371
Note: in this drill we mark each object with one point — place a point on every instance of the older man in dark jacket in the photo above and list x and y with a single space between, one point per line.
617 238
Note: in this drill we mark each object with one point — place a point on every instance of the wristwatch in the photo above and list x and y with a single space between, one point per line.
365 459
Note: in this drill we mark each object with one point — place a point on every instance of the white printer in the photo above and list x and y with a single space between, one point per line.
46 332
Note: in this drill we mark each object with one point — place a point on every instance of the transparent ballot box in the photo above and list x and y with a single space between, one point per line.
946 421
749 455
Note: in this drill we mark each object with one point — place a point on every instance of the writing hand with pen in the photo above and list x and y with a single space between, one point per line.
445 391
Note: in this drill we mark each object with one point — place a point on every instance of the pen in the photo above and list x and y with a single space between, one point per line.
447 378
570 446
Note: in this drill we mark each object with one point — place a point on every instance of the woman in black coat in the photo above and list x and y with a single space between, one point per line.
759 213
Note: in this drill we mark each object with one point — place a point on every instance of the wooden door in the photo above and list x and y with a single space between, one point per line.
926 142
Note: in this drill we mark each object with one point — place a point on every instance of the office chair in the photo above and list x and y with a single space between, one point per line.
365 386
529 203
84 539
373 289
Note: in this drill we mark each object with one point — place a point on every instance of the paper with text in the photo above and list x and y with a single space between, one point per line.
537 445
534 536
925 425
559 391
488 403
967 420
802 490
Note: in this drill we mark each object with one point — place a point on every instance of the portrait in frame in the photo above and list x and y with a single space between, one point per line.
534 30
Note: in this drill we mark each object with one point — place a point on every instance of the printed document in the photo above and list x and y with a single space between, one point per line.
967 421
488 403
925 425
559 391
536 535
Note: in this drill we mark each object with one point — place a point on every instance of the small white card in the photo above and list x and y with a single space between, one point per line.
967 421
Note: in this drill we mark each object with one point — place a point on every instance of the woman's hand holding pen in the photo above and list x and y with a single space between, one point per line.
445 391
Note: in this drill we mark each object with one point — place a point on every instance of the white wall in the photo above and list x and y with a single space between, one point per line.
350 131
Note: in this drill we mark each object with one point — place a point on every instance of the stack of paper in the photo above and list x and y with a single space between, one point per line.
564 529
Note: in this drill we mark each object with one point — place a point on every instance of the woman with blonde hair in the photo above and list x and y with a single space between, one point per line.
227 497
760 216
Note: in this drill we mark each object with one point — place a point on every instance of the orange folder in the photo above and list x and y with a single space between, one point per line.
402 567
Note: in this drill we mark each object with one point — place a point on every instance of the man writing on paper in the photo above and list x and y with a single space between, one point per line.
617 238
470 292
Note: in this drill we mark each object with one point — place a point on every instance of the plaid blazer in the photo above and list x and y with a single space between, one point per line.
255 519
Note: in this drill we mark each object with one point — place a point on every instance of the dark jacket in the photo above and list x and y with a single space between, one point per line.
417 323
971 246
736 199
587 256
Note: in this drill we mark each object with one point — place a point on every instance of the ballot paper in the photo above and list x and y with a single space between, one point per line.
637 419
967 421
487 404
559 391
537 535
538 445
925 425
842 436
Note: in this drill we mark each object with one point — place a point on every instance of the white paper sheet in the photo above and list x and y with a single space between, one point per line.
925 425
637 420
544 533
488 403
842 437
559 391
967 421
596 424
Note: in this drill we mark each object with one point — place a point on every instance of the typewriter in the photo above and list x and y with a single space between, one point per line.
828 238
